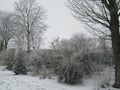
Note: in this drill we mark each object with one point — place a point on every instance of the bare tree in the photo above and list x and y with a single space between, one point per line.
37 39
7 28
102 16
30 17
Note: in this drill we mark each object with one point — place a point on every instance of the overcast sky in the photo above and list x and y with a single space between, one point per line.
60 21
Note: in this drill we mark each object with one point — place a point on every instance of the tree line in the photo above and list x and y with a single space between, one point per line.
25 25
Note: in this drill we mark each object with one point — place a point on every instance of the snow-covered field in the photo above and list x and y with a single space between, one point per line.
9 81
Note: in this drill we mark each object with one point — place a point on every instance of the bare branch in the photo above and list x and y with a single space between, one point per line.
31 18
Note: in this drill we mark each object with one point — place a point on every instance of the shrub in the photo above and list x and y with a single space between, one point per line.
94 62
10 58
69 72
7 58
86 60
19 67
40 63
105 78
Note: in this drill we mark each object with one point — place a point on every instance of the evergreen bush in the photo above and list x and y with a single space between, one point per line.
19 67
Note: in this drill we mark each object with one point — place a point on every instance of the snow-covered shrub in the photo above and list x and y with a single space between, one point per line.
7 58
107 58
19 66
41 63
90 62
105 78
10 58
37 63
70 71
3 57
87 62
94 62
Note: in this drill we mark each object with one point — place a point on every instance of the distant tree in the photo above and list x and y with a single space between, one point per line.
102 17
82 43
77 43
7 28
30 18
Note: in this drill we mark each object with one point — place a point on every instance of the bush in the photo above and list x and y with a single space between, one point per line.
105 78
40 62
94 62
69 72
19 67
7 58
10 58
86 60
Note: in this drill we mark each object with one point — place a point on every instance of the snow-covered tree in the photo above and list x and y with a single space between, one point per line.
7 28
30 18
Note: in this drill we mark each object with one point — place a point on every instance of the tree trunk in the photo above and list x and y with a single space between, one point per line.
116 58
117 72
28 42
1 45
6 44
114 27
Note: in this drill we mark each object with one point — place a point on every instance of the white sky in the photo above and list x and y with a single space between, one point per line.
60 21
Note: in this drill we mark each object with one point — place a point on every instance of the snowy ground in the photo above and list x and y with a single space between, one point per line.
9 81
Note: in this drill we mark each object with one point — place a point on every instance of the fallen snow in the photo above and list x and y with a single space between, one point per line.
9 81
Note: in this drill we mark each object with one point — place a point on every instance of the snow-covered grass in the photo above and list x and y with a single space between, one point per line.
9 81
110 88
